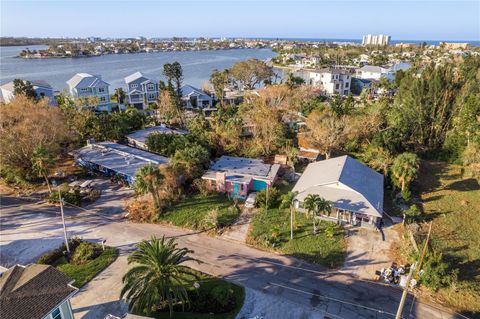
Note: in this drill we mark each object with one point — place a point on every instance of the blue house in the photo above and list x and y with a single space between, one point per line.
86 86
141 91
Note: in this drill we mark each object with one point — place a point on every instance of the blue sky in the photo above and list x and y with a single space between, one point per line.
411 20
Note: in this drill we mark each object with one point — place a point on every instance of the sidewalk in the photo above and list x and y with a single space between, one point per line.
239 230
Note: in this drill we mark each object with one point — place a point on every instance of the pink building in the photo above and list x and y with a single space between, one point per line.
237 176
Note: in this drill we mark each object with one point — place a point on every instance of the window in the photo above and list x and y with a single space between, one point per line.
103 99
337 86
346 85
56 314
134 86
85 89
151 86
101 90
151 96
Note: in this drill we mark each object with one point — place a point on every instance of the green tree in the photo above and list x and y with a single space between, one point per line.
120 95
147 180
436 272
42 161
251 73
293 81
158 278
413 214
25 88
405 169
311 204
193 160
220 81
174 74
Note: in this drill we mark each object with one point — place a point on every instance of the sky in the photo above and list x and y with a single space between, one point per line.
402 20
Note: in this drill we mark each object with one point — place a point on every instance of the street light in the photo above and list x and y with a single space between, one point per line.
63 217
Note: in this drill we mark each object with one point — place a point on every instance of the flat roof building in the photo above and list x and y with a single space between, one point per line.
139 138
115 159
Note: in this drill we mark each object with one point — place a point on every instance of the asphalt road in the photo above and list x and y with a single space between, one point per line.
28 229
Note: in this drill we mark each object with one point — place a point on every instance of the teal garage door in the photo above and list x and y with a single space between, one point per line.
259 185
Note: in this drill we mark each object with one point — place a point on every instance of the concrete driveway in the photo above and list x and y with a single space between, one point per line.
29 229
368 251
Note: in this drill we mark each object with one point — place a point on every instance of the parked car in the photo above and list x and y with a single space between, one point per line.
250 201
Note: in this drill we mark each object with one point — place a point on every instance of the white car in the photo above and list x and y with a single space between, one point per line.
250 201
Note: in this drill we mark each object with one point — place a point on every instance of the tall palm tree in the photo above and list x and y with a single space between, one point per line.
405 169
41 162
311 204
324 206
147 180
158 278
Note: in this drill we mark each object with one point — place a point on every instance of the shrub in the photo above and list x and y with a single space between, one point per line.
273 198
228 216
217 299
69 195
202 187
436 272
54 257
413 214
141 210
211 220
84 253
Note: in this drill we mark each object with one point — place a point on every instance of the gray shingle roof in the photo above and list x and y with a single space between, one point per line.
32 292
86 80
135 76
346 182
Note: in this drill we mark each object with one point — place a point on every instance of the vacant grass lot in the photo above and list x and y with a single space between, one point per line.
452 199
192 211
271 230
207 285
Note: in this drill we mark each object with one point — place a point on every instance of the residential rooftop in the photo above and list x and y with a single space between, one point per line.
239 167
141 136
120 158
32 292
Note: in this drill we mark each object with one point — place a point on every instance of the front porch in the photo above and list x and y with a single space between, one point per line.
345 217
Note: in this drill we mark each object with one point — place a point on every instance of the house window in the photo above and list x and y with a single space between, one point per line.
103 99
101 90
56 314
151 86
346 85
337 86
84 89
134 86
151 96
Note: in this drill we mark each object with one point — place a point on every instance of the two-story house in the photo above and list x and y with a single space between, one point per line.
195 98
42 90
86 86
330 80
141 91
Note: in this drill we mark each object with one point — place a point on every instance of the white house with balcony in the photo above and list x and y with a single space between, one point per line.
195 98
330 80
87 87
141 91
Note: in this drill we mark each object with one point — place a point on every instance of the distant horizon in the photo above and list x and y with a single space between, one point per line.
345 39
440 20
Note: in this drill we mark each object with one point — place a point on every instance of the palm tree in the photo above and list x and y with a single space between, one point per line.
158 277
311 204
405 169
41 162
147 180
324 206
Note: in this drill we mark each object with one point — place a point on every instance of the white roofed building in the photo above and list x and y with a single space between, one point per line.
354 190
141 91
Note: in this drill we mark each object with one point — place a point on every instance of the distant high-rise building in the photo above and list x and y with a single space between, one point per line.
380 39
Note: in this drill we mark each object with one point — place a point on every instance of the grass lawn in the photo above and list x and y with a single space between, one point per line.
452 199
271 230
84 273
207 284
192 211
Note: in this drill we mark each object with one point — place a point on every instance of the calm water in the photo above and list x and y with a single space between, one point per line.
197 65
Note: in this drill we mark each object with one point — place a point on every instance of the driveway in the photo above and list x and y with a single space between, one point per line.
368 251
29 229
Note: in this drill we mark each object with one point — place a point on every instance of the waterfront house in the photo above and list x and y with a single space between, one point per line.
330 80
139 138
372 72
237 176
35 292
195 98
141 91
87 86
116 160
42 90
354 190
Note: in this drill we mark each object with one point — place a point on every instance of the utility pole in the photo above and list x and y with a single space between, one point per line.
405 293
63 220
410 274
266 199
426 246
291 221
